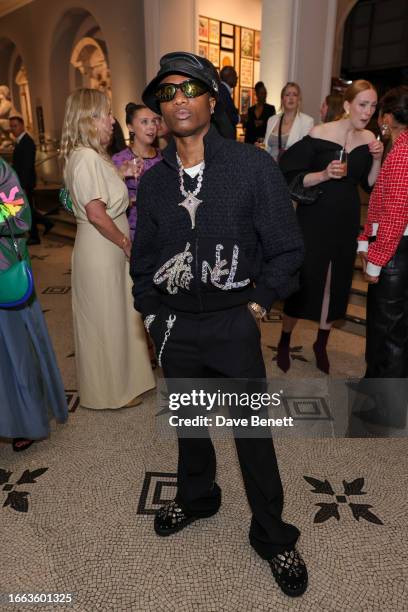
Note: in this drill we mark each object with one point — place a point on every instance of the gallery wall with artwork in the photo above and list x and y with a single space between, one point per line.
227 44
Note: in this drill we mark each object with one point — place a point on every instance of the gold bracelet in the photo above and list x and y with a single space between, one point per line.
124 240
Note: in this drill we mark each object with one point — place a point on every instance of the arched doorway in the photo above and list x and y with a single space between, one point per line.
79 58
14 89
374 47
91 64
344 8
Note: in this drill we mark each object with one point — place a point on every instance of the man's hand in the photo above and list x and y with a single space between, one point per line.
258 312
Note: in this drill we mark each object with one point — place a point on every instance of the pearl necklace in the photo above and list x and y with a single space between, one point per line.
191 202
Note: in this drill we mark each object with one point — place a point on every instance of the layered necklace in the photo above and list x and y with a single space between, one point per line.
191 202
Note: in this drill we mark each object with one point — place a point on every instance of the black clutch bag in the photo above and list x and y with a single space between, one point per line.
305 196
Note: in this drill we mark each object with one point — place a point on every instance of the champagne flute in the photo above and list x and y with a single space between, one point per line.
137 164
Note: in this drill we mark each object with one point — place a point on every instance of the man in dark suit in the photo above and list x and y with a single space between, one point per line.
226 113
24 165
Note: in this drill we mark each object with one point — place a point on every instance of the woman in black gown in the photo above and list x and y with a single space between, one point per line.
331 224
258 115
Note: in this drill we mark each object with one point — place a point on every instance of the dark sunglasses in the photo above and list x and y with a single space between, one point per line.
191 89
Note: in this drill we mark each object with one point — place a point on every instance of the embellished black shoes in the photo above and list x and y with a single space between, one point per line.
171 518
289 571
288 567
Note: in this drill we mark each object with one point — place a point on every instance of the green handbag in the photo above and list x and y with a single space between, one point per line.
65 199
16 283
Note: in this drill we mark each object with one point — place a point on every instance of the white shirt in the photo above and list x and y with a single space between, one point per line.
20 137
194 170
228 87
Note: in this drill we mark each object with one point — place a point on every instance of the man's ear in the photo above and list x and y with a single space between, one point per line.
213 102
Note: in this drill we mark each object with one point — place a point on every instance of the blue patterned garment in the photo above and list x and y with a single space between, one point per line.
31 388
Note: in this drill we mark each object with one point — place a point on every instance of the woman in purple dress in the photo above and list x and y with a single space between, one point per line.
140 155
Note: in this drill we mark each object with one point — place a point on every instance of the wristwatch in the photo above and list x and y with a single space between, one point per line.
257 310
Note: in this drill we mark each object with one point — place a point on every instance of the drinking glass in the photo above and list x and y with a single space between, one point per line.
136 165
342 156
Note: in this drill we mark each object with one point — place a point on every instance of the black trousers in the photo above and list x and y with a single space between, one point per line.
224 344
35 217
387 319
387 336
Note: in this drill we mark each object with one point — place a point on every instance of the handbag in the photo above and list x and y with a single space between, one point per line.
16 283
65 199
301 194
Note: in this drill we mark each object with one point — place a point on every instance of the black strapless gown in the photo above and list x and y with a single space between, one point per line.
330 226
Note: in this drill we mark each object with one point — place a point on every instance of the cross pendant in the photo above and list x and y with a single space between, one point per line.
191 203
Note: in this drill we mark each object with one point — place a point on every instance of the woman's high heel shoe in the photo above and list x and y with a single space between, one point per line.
283 357
21 444
319 348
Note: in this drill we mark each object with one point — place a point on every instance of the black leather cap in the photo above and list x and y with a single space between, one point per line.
186 64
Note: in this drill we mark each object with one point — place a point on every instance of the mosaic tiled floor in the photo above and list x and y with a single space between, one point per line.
77 510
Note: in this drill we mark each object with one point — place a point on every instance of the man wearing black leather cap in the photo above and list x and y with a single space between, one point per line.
216 244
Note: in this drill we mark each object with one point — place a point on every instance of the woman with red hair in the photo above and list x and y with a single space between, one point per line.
336 156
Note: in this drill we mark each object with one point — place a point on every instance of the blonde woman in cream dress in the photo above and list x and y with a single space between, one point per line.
113 365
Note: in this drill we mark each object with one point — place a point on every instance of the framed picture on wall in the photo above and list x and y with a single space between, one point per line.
227 29
257 70
214 55
226 58
245 100
246 74
227 42
237 52
203 28
247 42
214 31
257 45
203 49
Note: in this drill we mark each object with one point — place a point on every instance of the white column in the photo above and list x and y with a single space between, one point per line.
152 36
315 48
328 59
278 22
297 45
170 25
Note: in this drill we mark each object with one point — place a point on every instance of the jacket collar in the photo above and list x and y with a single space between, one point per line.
20 138
212 142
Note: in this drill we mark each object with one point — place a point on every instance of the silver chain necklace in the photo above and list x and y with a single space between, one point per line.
191 202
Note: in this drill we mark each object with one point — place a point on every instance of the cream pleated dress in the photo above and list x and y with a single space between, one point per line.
112 360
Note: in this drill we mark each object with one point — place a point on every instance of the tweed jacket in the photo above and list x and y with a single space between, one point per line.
245 244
